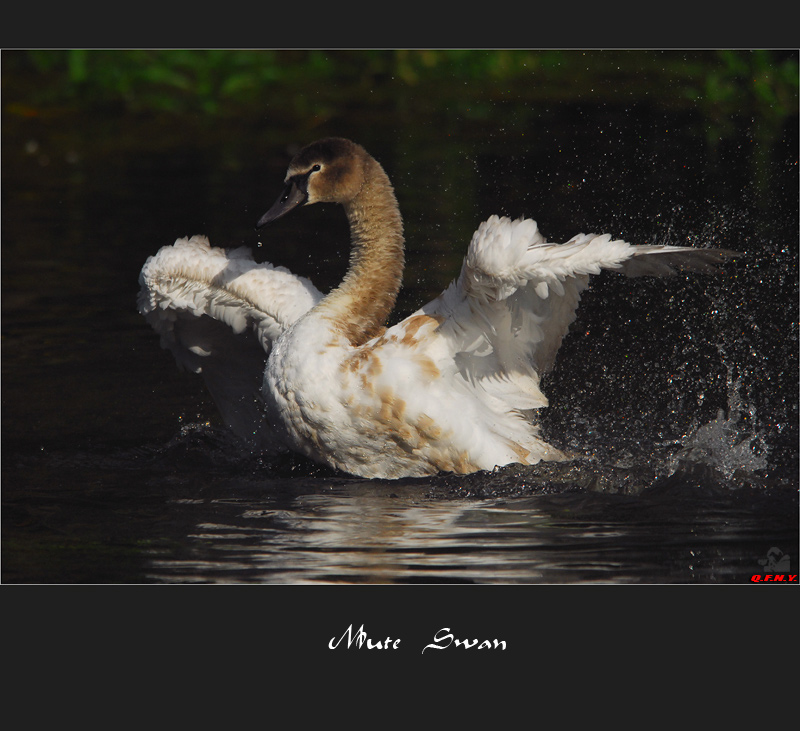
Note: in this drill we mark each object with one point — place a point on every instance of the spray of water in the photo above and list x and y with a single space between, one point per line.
731 442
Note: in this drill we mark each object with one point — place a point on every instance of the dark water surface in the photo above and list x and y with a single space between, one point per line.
681 393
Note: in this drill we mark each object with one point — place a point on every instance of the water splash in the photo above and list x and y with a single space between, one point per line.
730 442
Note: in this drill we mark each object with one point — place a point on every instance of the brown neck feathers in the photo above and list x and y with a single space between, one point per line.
361 304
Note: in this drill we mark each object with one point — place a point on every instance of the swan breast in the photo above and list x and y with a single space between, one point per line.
387 407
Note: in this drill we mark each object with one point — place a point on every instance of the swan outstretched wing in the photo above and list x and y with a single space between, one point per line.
219 312
507 313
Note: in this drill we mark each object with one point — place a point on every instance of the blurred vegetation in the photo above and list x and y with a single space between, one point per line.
722 84
728 94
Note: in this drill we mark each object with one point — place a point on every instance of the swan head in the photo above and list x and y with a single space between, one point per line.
330 170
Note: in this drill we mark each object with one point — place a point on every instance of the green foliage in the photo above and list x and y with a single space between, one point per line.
177 80
745 81
225 82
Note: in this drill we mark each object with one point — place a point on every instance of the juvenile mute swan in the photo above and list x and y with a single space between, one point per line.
450 388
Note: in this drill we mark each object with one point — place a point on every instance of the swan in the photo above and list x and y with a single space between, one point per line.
451 388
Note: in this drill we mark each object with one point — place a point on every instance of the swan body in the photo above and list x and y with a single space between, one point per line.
450 388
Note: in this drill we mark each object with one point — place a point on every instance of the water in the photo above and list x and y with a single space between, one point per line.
680 396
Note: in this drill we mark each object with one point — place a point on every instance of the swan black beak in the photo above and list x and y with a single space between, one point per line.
293 195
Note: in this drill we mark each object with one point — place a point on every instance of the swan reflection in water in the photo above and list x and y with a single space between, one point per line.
379 532
366 539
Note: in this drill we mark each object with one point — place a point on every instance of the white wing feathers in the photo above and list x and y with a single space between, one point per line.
517 295
505 255
219 312
191 278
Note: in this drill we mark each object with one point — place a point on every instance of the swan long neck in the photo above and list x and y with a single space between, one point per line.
362 303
